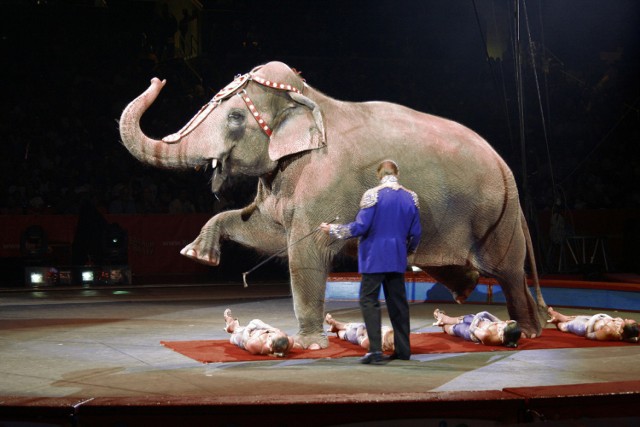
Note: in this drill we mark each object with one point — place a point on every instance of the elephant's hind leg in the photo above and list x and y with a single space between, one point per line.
520 303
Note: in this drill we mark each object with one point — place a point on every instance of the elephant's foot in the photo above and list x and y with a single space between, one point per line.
208 256
531 321
461 298
312 341
529 330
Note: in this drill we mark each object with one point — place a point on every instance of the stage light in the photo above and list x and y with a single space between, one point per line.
34 249
36 278
87 276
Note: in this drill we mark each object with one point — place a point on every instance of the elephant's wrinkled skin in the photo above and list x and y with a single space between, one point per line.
317 163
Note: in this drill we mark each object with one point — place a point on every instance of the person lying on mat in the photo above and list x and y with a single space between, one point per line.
356 333
599 327
482 327
258 337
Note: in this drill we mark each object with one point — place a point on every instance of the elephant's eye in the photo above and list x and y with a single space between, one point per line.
236 118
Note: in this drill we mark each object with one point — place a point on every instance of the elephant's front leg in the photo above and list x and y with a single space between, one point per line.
246 226
308 269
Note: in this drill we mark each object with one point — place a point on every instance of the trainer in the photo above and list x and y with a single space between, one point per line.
388 225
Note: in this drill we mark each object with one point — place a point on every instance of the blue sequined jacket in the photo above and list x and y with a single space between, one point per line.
388 225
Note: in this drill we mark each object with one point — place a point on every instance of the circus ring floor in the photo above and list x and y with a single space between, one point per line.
92 357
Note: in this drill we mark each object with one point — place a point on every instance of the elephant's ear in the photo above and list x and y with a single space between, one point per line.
301 130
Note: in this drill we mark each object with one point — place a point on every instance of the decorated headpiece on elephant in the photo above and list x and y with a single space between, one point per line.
315 156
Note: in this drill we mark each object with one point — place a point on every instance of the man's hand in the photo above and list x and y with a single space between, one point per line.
325 227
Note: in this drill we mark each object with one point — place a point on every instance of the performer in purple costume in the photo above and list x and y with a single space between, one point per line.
356 333
388 225
483 327
599 327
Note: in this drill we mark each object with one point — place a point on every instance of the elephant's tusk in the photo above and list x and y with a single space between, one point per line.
214 163
219 175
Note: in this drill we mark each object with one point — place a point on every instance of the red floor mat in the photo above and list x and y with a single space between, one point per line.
210 351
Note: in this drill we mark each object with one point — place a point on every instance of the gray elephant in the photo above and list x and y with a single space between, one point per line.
315 156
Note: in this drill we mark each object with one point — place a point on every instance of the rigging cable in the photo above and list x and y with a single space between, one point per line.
535 76
518 69
493 76
546 63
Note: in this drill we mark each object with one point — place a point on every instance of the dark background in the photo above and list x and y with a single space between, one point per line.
70 67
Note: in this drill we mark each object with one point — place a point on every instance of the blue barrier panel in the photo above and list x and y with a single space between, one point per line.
570 296
416 292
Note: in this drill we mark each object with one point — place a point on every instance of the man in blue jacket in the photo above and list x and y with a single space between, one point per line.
388 225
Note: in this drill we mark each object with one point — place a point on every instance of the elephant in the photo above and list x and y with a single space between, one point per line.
314 156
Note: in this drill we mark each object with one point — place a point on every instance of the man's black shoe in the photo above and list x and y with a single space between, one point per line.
395 356
375 358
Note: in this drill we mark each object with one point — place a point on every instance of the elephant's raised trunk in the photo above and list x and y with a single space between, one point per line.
180 155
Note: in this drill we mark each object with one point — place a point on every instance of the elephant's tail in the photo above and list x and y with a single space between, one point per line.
542 306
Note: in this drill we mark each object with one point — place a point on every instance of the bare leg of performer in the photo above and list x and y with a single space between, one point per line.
447 322
230 322
564 323
555 317
335 324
